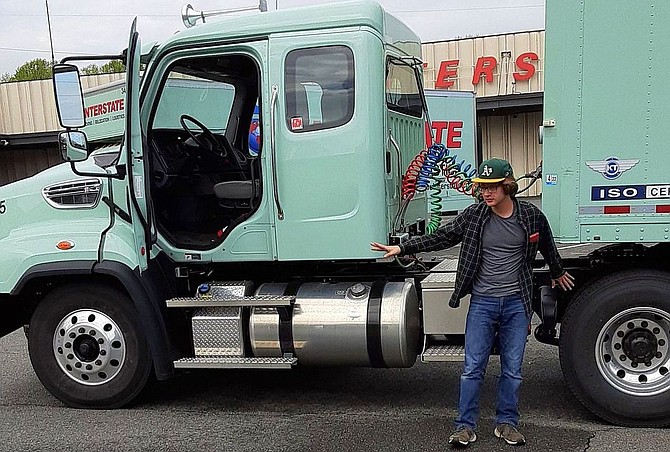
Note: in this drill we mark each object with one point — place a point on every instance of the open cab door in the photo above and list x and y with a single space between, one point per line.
140 210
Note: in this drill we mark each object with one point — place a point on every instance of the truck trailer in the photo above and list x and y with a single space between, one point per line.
180 248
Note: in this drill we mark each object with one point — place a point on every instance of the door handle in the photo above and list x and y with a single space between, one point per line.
273 149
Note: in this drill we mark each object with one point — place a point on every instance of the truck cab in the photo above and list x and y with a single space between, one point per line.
183 246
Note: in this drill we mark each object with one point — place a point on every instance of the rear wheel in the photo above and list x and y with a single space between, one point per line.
87 348
614 348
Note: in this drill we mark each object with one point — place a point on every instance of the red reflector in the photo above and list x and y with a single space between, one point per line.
64 245
616 209
142 251
662 209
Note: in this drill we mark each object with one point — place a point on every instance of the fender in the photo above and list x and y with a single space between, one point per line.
144 293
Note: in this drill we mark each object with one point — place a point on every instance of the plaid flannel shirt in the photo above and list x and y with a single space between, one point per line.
467 229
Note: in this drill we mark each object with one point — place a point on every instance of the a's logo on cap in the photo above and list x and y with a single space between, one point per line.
486 171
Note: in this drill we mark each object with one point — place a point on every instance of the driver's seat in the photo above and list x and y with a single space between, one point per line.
235 193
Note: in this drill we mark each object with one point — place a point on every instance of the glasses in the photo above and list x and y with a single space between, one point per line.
489 187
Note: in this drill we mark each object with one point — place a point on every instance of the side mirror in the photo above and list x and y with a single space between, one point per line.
69 97
73 146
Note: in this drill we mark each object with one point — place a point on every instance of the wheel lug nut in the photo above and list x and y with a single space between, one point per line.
659 354
633 364
617 346
98 363
103 352
622 357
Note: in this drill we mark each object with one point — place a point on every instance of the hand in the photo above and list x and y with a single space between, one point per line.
390 250
566 281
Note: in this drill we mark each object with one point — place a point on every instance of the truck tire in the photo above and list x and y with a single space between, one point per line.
87 348
614 348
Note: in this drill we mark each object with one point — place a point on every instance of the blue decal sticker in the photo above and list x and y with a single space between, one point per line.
619 192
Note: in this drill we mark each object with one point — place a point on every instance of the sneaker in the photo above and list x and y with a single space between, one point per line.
510 434
462 437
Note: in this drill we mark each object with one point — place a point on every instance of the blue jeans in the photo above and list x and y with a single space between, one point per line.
486 314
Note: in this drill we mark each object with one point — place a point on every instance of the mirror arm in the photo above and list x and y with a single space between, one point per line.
120 174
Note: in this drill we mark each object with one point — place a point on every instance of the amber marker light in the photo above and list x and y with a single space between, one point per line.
65 245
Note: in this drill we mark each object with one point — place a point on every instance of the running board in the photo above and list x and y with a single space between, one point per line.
443 353
230 301
216 362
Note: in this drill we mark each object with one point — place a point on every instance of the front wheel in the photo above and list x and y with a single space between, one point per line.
87 348
614 348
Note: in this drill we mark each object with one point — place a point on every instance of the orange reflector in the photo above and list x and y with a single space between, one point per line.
64 245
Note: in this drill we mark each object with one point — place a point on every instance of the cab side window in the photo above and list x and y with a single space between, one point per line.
319 88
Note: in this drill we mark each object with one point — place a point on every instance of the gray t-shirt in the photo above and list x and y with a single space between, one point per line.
502 256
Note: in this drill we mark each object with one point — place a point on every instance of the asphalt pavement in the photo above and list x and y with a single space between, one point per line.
325 409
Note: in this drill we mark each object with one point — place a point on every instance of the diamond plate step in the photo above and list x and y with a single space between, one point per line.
216 362
442 353
231 301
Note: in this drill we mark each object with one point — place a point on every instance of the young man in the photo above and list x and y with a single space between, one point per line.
500 237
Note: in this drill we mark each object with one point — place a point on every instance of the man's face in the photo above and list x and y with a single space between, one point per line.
493 193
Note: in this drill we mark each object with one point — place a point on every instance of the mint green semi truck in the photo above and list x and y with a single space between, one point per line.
178 248
606 184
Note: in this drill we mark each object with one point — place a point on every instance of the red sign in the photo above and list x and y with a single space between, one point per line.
452 129
104 108
484 67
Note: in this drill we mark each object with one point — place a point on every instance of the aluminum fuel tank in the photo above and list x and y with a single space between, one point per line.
332 324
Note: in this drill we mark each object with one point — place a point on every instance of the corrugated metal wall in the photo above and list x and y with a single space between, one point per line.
514 138
17 164
29 106
467 51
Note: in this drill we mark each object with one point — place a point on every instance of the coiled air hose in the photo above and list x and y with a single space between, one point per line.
422 175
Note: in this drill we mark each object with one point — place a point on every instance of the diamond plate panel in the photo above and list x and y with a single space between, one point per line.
218 332
436 353
226 289
235 363
439 281
447 265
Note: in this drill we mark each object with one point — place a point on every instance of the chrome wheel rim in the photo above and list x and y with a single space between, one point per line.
632 351
89 347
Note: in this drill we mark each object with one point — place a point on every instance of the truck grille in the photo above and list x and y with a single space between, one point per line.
82 193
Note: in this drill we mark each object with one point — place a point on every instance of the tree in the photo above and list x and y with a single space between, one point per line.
37 69
107 68
113 66
91 69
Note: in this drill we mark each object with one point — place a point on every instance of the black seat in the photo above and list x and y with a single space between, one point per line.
234 189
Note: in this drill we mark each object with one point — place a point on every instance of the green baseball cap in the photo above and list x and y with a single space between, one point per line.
493 170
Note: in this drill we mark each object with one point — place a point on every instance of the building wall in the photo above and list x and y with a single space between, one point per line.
514 138
30 106
511 53
17 164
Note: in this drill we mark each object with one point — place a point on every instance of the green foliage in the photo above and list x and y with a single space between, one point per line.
40 69
91 69
113 66
37 69
107 68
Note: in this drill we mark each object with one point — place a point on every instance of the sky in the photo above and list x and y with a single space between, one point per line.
101 27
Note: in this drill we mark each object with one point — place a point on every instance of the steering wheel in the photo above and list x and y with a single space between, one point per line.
206 140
